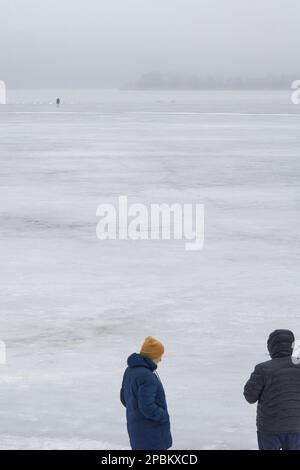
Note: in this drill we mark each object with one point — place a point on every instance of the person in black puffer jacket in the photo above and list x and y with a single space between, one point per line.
275 385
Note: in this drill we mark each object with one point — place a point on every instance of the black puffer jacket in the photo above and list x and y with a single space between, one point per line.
275 384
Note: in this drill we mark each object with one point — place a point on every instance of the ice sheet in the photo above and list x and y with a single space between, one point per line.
73 308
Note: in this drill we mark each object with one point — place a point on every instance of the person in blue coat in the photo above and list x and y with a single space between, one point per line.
143 395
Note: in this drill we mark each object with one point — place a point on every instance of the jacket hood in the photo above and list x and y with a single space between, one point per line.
280 343
137 360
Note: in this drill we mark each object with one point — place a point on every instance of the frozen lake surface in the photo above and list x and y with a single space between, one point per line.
73 308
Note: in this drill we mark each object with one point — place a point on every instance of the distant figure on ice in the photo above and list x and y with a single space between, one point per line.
57 102
275 385
142 394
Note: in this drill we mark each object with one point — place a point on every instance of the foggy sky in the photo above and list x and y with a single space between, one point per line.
90 43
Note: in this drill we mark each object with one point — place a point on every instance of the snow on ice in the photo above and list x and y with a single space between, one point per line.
73 308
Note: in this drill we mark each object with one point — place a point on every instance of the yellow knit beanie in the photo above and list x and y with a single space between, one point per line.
152 348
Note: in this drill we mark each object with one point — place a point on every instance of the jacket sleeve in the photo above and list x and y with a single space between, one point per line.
255 385
146 394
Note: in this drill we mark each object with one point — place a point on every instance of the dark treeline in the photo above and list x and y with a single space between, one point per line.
160 81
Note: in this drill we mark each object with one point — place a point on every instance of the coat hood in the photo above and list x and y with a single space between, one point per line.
280 343
137 360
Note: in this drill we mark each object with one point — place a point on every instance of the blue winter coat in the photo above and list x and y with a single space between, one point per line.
142 394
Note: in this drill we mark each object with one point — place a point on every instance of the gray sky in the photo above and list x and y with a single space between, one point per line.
77 43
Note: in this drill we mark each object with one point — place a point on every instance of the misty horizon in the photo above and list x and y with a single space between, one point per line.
182 82
106 44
